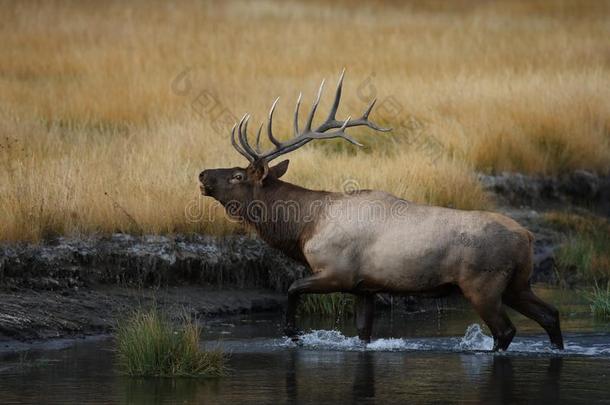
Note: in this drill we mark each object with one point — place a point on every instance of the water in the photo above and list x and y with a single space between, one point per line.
422 358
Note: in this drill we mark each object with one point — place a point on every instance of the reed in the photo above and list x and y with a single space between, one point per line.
599 298
336 305
584 255
149 345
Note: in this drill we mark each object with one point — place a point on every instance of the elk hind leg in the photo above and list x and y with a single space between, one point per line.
547 316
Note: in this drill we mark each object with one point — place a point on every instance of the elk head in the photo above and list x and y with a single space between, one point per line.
241 185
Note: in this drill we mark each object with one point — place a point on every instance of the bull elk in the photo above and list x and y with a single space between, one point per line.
413 249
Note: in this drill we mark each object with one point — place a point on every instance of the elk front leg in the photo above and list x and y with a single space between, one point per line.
317 284
290 328
365 312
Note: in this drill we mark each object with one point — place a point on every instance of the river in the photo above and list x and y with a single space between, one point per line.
428 357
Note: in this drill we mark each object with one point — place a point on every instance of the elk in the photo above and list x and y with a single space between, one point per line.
409 249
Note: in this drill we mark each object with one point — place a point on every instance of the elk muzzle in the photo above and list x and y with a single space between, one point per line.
206 183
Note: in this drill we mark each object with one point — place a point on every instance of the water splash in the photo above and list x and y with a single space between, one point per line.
330 339
335 340
474 339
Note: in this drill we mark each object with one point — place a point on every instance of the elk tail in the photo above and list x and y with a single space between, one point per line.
525 267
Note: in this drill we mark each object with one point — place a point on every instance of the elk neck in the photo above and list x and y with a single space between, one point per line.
285 215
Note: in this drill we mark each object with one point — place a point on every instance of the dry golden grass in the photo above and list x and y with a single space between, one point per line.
100 131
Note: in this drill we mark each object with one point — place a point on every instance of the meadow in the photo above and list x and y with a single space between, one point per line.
109 111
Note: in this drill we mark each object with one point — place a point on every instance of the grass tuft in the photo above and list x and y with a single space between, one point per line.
335 304
148 345
599 299
585 254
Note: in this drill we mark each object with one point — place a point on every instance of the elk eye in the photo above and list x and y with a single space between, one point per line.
237 177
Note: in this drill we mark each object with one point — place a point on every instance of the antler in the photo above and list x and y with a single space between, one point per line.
308 134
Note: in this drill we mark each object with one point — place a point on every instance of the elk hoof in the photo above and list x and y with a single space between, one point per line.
364 336
293 333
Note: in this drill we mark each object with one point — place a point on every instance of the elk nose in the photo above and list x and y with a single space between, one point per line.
203 176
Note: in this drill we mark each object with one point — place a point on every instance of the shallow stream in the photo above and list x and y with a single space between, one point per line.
433 356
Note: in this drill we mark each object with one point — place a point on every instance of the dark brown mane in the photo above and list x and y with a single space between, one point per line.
290 215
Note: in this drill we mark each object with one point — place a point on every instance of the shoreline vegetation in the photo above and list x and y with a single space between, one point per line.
599 299
109 112
150 345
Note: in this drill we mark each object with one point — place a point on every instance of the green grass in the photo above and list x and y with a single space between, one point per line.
584 257
335 304
149 345
599 298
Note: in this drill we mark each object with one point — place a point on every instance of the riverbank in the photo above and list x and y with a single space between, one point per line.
30 315
82 286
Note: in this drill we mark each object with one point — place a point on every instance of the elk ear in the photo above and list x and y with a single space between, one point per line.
280 169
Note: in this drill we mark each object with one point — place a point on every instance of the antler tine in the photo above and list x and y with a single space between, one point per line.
335 107
314 107
270 124
237 147
342 134
296 115
243 137
258 139
362 121
369 108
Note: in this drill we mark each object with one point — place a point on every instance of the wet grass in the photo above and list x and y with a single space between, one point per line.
150 346
599 299
335 304
584 257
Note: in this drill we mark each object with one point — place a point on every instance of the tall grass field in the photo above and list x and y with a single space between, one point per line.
109 110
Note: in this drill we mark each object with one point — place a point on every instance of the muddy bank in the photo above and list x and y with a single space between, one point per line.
578 188
82 286
30 315
147 261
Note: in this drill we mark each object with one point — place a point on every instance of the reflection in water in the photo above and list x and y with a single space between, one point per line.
291 377
162 390
362 388
501 383
364 379
489 378
550 386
